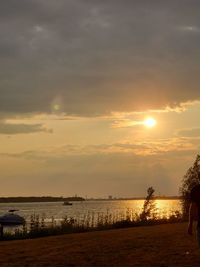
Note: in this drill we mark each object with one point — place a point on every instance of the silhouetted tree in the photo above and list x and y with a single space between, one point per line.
149 208
190 179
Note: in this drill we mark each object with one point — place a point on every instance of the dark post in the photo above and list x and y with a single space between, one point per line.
1 231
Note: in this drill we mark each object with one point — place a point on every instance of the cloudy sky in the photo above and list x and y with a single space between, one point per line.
78 78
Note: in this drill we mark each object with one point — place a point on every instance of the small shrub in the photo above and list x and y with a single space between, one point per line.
149 209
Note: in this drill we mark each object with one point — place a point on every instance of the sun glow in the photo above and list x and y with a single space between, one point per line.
150 122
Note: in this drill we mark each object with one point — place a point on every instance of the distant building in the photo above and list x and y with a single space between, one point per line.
110 197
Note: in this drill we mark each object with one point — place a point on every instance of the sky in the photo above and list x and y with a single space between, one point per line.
78 78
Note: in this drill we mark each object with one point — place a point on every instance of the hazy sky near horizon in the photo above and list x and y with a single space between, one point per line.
79 77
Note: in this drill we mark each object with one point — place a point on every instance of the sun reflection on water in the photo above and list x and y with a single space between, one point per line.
165 208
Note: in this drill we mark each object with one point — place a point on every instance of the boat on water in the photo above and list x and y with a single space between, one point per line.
67 203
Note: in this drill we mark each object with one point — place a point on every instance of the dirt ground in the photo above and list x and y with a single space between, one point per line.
161 245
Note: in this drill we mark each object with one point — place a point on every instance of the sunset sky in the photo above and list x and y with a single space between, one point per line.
78 78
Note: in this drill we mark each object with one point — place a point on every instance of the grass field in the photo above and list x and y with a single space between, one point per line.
160 245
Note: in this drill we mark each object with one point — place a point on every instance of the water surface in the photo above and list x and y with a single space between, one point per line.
80 209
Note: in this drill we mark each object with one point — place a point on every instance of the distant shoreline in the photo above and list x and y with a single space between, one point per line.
38 199
134 198
62 199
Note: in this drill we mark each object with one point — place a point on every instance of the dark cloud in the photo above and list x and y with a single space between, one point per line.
98 56
10 129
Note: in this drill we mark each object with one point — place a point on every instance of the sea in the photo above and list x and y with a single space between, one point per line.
79 210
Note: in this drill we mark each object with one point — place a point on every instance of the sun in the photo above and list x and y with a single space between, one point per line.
150 122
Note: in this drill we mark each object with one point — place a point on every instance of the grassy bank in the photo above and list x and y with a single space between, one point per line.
159 245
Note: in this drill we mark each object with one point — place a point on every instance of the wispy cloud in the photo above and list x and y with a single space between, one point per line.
141 148
190 28
126 123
